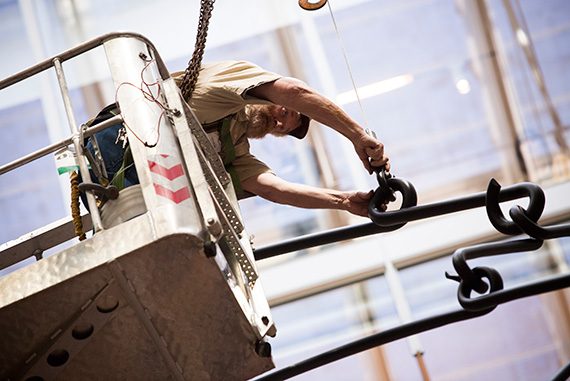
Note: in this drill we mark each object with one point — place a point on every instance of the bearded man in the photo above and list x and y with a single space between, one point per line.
254 103
237 101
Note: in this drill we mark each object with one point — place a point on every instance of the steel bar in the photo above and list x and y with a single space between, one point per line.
384 222
321 238
40 240
449 206
563 374
532 229
461 256
503 296
81 161
35 155
419 326
56 146
71 53
372 341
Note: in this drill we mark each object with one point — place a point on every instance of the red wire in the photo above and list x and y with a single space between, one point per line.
148 96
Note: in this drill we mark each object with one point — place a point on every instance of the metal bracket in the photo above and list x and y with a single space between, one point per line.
104 193
97 163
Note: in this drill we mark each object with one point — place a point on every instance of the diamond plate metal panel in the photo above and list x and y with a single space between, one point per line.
177 306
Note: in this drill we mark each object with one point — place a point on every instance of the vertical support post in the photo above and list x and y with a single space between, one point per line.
502 118
380 366
404 313
288 46
328 83
557 303
422 364
83 167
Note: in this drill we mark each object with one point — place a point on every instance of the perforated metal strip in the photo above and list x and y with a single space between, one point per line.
206 146
233 241
231 223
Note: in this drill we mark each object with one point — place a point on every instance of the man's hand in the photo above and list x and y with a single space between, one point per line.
357 202
371 152
275 189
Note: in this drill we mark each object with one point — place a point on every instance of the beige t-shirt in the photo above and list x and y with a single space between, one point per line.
221 91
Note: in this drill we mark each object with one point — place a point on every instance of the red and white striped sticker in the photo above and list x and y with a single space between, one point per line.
168 178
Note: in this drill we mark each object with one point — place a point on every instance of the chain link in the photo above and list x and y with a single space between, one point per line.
191 74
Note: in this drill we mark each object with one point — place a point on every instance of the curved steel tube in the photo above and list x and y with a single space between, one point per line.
384 222
461 256
321 238
455 205
56 146
563 374
372 341
470 279
498 220
530 227
482 306
409 199
503 296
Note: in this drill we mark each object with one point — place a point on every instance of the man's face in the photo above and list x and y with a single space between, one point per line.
285 120
275 120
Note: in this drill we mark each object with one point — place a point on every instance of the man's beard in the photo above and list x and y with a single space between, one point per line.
260 122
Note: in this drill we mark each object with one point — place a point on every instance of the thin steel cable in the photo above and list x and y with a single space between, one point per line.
348 67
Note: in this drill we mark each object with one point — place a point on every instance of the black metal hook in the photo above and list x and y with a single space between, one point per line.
409 199
498 220
382 176
417 212
109 192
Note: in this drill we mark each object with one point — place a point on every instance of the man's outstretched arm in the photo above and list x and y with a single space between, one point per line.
272 188
295 94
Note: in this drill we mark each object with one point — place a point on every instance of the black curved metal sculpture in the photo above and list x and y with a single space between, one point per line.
483 280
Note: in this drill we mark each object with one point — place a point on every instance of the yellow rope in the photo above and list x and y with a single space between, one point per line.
75 212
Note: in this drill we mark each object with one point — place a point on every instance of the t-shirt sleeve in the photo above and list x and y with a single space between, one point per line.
222 88
236 77
248 166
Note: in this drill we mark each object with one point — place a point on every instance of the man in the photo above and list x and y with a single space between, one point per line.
257 103
237 101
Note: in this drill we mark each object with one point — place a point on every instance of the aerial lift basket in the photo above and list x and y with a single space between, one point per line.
171 292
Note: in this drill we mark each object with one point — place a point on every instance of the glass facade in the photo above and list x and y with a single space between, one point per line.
459 91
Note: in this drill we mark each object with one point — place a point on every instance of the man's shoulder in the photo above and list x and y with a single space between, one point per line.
214 66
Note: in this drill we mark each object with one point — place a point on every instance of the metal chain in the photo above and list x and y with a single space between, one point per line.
191 74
